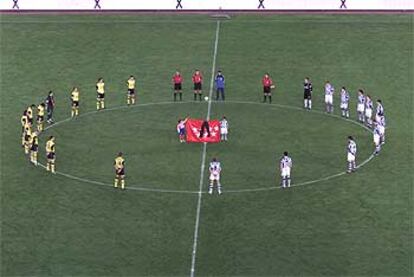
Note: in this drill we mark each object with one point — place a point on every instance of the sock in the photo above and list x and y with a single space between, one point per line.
181 96
310 104
72 113
264 98
347 114
33 157
48 166
175 96
103 104
210 189
199 96
349 166
219 187
98 105
52 167
195 96
133 100
270 99
116 183
288 181
128 100
122 184
77 112
305 103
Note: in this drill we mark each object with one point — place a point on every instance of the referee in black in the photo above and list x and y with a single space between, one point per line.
50 106
307 94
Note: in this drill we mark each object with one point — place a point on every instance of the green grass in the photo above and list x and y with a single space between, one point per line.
358 224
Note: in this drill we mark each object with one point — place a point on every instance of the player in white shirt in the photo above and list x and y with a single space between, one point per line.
381 128
361 105
215 171
379 111
344 103
329 92
351 150
285 165
181 129
368 110
224 128
377 138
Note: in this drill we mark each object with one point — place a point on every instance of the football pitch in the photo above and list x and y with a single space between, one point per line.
74 223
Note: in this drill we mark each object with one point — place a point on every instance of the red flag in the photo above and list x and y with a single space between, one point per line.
193 129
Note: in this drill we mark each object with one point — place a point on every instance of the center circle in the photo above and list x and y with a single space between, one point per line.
156 161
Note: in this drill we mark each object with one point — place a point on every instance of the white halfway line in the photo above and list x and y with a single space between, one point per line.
203 158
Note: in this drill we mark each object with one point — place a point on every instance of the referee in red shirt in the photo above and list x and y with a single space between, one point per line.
197 81
177 80
267 88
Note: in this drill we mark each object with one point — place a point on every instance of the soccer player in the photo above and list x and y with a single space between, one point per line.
329 92
177 80
119 165
224 128
267 87
220 82
361 106
368 110
75 101
381 128
26 138
24 122
40 117
307 94
131 90
51 154
377 138
197 81
29 114
181 129
285 165
100 97
34 147
351 154
344 103
379 111
215 171
50 106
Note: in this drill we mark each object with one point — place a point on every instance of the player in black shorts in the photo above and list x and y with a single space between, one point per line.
197 81
307 94
177 80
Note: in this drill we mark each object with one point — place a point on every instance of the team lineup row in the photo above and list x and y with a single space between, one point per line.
365 109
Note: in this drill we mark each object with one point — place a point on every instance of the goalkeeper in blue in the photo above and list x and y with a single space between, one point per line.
215 171
285 165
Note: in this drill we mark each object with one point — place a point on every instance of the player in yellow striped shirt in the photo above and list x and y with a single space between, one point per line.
75 101
34 147
29 113
51 154
26 138
100 99
40 117
24 121
119 165
131 91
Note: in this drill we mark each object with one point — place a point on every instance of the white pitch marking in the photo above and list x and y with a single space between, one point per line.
228 191
203 159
